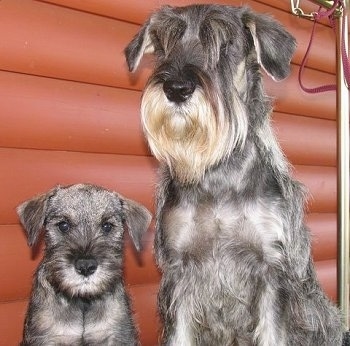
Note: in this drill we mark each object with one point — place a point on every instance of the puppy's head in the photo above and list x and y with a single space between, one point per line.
84 226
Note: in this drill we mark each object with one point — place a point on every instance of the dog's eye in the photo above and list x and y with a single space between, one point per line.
158 48
225 47
107 227
63 226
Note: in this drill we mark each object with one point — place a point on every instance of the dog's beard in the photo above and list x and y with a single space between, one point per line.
67 280
192 136
92 286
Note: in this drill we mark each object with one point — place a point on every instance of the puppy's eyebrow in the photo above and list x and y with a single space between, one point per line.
52 217
111 217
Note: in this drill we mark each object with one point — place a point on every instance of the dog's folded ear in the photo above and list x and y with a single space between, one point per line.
32 215
273 44
139 45
137 219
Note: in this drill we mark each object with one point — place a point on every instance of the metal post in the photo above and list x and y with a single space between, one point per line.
343 170
343 148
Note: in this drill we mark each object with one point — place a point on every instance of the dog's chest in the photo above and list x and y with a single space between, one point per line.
199 230
55 317
94 323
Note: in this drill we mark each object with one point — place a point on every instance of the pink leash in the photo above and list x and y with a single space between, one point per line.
346 64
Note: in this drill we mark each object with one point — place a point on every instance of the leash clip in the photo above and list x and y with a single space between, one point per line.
335 10
297 11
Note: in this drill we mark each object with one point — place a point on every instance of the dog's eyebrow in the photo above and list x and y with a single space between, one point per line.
55 217
175 29
111 216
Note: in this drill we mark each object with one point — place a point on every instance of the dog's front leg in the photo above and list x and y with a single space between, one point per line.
182 333
269 330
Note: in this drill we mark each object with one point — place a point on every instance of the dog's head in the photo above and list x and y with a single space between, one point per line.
84 226
207 57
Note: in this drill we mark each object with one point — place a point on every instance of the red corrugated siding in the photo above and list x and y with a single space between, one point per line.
69 112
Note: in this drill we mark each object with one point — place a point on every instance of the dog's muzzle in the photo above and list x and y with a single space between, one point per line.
85 266
178 90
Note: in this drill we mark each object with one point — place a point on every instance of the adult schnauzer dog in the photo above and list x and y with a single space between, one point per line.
78 297
231 240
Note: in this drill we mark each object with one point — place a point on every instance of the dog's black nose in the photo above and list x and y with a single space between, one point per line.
85 266
178 90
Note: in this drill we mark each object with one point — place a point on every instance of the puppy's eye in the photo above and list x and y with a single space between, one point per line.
107 227
63 226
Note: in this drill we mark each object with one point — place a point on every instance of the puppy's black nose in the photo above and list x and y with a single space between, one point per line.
178 90
85 266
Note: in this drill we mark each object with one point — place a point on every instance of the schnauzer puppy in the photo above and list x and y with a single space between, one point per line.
78 297
230 241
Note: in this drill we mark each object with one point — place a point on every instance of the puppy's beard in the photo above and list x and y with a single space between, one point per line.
192 136
72 284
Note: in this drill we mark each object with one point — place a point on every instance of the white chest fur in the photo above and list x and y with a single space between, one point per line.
199 229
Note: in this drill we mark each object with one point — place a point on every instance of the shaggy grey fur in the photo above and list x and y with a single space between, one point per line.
230 240
78 297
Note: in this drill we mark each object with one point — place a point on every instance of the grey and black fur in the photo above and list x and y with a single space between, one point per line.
230 240
78 296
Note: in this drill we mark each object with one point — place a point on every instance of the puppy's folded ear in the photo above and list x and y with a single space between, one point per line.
32 215
137 219
274 46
